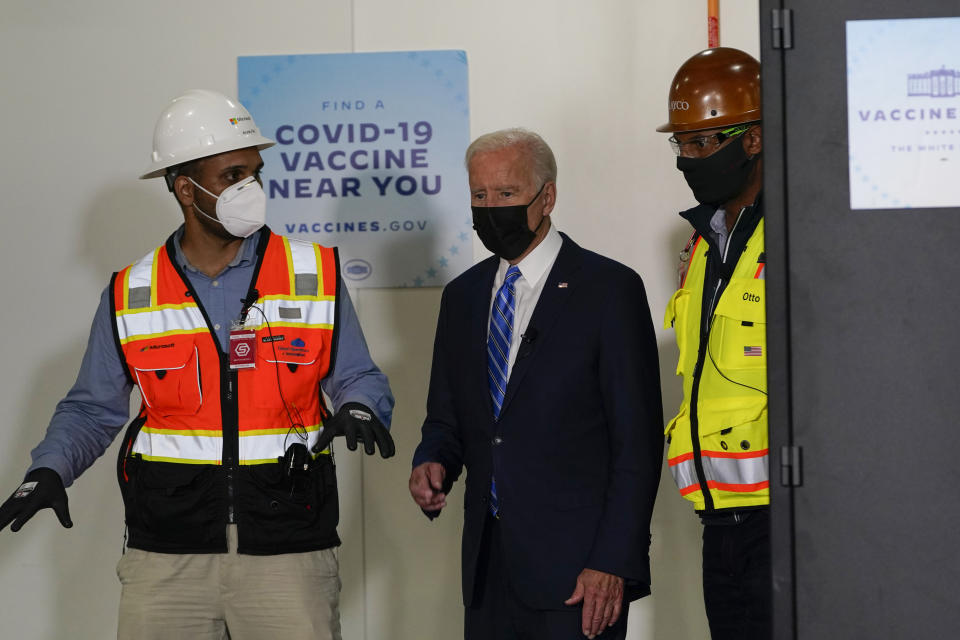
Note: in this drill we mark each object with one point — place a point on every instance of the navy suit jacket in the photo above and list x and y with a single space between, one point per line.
579 442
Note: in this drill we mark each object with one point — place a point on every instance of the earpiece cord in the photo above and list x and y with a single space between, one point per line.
296 426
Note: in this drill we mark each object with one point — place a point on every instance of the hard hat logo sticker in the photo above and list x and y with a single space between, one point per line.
718 87
198 124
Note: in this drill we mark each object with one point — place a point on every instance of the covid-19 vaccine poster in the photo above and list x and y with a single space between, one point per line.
369 158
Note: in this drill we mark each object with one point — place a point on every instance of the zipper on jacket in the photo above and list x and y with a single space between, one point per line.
229 403
695 432
723 261
230 432
706 322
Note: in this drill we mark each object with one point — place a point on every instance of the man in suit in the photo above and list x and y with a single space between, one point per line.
545 386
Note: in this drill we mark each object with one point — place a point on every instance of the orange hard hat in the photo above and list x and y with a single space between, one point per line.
715 88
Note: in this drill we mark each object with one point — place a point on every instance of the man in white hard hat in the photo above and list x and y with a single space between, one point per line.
229 332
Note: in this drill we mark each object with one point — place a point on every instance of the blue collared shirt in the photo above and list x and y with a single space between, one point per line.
96 409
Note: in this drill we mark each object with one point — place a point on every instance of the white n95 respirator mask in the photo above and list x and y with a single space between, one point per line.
241 207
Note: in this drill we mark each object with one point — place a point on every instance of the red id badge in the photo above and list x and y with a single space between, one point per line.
243 349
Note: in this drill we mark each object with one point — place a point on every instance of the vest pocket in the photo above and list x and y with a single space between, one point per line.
167 371
288 371
734 445
276 516
677 316
738 339
723 414
272 498
173 502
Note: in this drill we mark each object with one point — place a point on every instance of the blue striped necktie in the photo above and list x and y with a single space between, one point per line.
498 354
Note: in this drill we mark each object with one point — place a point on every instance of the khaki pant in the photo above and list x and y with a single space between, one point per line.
229 596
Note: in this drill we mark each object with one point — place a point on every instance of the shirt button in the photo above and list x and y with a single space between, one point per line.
215 283
217 327
497 440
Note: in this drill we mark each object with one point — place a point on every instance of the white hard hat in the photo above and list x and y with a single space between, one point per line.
198 124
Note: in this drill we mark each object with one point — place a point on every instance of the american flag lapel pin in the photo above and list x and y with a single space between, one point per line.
562 285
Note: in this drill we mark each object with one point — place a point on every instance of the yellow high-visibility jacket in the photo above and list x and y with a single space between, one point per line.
718 452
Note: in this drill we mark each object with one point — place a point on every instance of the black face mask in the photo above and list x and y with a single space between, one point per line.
504 230
718 178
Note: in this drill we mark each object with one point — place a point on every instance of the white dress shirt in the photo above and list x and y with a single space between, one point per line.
527 288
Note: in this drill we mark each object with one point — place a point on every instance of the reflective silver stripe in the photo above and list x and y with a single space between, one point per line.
736 470
207 448
160 321
312 312
138 297
723 470
260 448
138 282
304 257
141 271
684 474
306 280
185 448
305 284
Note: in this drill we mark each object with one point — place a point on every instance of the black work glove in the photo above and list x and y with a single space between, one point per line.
41 488
358 424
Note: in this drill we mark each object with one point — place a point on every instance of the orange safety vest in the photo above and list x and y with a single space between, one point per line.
215 436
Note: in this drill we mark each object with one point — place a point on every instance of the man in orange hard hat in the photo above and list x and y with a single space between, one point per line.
718 451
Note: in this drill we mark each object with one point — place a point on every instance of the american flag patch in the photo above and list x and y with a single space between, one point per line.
753 351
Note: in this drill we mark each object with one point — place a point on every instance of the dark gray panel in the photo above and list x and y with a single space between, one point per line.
778 334
870 307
